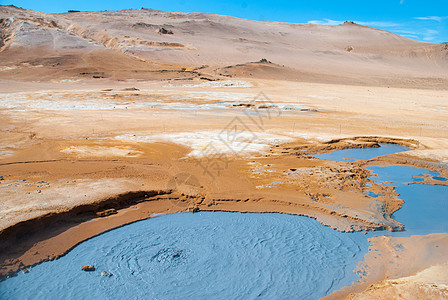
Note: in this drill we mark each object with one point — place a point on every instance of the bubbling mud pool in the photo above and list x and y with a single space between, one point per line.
230 255
205 255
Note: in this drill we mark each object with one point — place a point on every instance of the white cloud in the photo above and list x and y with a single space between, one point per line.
414 37
432 18
407 32
430 35
377 24
325 22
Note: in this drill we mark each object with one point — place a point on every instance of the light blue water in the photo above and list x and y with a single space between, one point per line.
362 154
207 255
229 255
425 209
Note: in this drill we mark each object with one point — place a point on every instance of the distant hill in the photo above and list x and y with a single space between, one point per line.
152 44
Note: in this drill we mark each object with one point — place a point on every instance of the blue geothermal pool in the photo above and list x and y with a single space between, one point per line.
207 255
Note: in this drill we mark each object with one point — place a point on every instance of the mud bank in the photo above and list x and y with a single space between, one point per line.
393 265
356 142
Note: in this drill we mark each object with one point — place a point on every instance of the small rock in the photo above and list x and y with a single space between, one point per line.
107 274
89 268
349 49
39 191
264 61
25 271
194 209
165 31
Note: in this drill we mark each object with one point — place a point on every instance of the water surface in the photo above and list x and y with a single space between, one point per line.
362 153
207 255
425 209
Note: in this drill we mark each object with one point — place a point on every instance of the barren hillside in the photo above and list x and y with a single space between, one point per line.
149 44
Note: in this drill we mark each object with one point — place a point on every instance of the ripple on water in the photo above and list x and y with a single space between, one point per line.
203 255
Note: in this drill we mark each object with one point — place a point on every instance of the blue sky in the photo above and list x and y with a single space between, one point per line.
421 20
